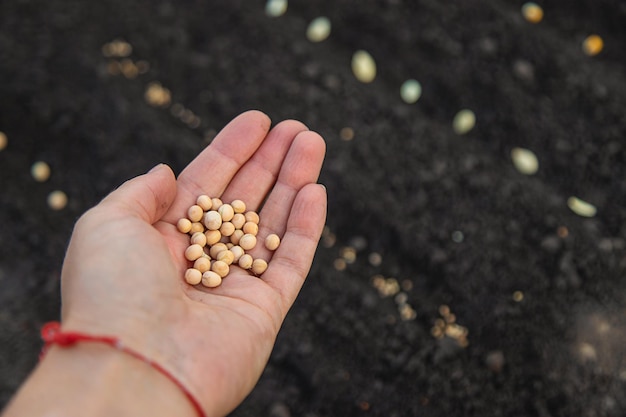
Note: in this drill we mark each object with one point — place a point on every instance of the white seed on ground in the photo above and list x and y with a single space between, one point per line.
238 220
202 264
220 268
238 206
216 249
196 227
525 161
227 229
272 241
193 276
363 66
247 241
259 266
252 216
194 213
193 252
40 171
411 91
227 212
237 252
275 8
212 220
226 256
251 228
211 280
580 207
57 200
183 225
236 237
205 202
198 238
216 203
464 121
319 29
212 237
245 261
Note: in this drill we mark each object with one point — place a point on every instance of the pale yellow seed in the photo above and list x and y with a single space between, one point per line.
259 266
216 203
184 225
245 261
275 8
40 171
319 29
238 206
580 207
193 252
525 161
212 237
229 245
464 121
272 241
227 229
194 213
216 249
252 216
363 66
193 276
238 220
211 280
251 228
202 264
3 141
411 91
198 238
227 212
57 200
236 237
196 227
212 220
205 202
237 252
247 241
221 268
226 256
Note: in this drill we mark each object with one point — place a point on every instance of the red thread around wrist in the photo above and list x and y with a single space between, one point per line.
52 334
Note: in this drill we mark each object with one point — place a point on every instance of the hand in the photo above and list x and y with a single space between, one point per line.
123 273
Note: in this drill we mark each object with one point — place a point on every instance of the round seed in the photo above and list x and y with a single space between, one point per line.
205 202
593 45
532 12
227 229
238 220
245 261
40 171
363 66
216 202
194 213
193 276
196 227
236 237
238 206
247 241
57 200
227 212
259 266
3 141
211 280
237 252
202 264
464 121
216 249
525 161
212 220
212 237
411 91
226 256
252 216
198 238
183 225
319 29
193 252
275 8
220 268
272 241
251 228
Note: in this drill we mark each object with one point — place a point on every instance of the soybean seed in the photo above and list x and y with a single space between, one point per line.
216 203
247 241
40 171
194 213
259 266
245 261
57 200
272 241
237 252
183 225
226 256
238 206
202 264
216 249
238 220
193 276
220 268
212 220
236 237
205 202
212 237
193 252
251 228
211 280
198 238
227 212
227 228
251 216
196 227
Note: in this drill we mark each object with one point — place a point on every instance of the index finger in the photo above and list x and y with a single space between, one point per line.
211 171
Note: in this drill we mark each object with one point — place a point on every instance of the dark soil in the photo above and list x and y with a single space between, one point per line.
453 220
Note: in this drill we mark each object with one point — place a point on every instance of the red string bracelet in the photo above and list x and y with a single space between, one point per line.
52 334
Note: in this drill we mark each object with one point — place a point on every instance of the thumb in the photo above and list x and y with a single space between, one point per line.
147 196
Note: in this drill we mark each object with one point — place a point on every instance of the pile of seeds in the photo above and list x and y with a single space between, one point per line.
220 235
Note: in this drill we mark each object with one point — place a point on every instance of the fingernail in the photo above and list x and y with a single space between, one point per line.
323 186
156 168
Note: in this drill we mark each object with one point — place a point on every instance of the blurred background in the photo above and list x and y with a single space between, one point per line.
474 255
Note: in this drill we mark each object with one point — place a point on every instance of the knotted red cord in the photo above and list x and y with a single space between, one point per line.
52 334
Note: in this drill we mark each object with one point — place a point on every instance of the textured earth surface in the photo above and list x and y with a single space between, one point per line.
420 217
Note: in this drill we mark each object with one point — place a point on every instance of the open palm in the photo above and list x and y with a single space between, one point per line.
123 274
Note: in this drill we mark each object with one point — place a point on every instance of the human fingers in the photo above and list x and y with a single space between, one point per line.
212 170
292 260
255 179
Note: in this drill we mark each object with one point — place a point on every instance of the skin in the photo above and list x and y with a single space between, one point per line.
123 276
